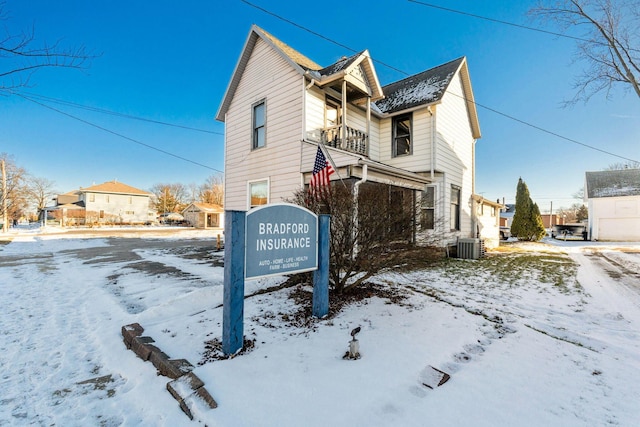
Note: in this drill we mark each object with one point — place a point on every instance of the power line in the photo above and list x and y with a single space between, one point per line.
114 113
498 21
288 21
467 100
115 133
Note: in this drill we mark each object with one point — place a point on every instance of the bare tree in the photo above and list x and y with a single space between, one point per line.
369 232
609 45
21 56
169 197
16 200
623 165
212 191
40 191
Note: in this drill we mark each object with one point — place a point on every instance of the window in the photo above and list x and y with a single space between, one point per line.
258 193
455 208
130 200
106 198
428 206
259 116
92 197
402 135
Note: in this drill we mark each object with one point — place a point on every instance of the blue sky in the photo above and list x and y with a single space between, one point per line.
171 62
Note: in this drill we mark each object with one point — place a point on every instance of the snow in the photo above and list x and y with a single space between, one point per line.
522 347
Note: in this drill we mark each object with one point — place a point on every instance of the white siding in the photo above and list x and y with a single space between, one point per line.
314 106
124 208
615 218
454 150
420 159
267 76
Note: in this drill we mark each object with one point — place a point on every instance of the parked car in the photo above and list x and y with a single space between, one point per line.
505 233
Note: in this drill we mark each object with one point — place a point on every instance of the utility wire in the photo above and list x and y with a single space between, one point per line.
113 113
114 133
467 100
497 21
288 21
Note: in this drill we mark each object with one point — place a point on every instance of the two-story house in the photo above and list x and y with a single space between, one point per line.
110 202
414 138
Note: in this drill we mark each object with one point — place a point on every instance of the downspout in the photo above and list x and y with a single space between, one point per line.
356 192
433 142
474 213
304 121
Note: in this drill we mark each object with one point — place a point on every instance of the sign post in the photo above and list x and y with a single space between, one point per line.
233 295
271 240
321 275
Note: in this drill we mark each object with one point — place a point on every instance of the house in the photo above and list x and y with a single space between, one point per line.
613 200
111 202
488 220
204 215
414 139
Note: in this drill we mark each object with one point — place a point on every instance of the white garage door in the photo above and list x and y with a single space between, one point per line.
619 229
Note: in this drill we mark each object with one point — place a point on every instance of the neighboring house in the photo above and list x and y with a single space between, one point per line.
506 215
488 220
204 215
550 220
613 199
110 202
414 139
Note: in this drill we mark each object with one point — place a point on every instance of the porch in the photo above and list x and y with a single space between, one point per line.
343 138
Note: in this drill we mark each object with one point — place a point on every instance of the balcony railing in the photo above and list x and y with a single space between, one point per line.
355 141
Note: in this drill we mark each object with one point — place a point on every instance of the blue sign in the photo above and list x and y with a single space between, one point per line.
280 239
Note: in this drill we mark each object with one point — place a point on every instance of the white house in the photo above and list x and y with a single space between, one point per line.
414 138
488 220
613 200
110 202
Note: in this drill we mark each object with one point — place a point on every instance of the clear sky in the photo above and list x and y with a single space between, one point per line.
171 61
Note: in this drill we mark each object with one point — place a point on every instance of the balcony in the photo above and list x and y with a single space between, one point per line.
356 141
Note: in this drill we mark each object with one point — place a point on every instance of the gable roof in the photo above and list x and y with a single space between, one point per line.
114 187
428 87
613 183
302 64
297 60
205 207
422 89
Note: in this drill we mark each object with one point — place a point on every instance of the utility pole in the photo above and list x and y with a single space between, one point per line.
5 224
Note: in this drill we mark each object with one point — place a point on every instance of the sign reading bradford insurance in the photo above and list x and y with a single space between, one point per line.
280 239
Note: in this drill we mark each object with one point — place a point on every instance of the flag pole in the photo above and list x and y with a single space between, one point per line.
333 165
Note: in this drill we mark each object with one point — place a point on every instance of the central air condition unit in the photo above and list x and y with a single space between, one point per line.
470 248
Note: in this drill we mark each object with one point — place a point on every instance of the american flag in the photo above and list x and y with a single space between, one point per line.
321 171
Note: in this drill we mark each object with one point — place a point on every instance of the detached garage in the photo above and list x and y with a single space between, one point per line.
204 215
613 199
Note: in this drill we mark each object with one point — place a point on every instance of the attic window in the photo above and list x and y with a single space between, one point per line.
402 135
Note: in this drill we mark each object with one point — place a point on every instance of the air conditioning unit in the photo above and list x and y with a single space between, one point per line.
470 248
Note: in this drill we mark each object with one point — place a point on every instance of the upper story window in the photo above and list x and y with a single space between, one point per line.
455 208
402 135
92 197
259 120
258 193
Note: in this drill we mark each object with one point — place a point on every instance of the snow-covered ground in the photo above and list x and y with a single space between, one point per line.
536 334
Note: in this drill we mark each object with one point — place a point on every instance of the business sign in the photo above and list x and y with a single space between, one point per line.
280 239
